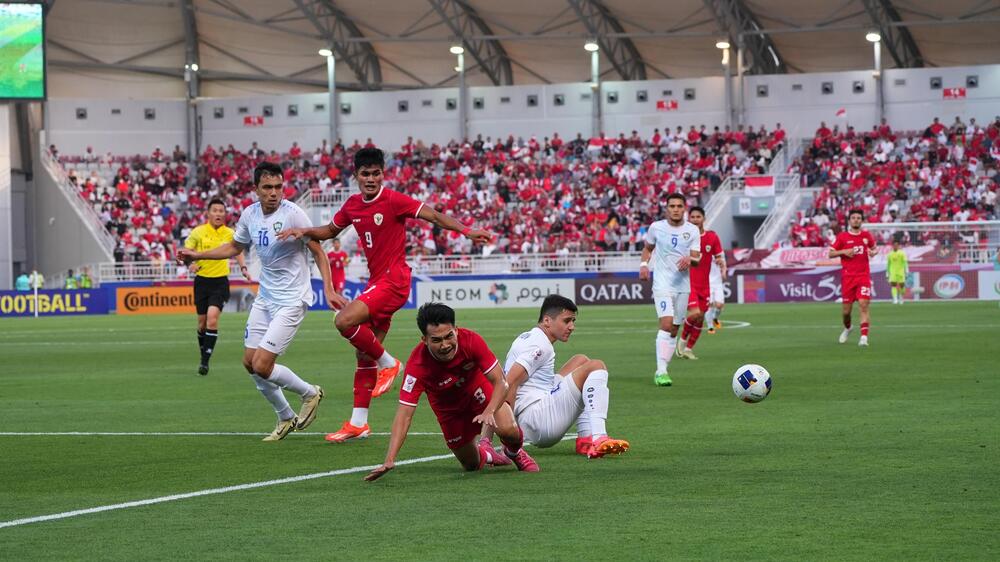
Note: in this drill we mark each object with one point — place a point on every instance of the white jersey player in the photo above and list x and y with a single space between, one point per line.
674 246
546 402
283 297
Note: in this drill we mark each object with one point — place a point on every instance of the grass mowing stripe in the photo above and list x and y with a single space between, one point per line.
209 492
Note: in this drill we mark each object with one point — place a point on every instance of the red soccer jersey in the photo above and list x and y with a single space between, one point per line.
711 246
454 386
338 260
863 243
381 225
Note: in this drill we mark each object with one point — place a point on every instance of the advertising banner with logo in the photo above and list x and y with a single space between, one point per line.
351 291
54 302
949 285
803 287
492 293
627 290
989 285
155 300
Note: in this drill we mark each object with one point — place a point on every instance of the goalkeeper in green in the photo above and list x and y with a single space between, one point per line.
897 269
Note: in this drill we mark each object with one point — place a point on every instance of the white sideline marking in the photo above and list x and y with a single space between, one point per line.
167 434
211 491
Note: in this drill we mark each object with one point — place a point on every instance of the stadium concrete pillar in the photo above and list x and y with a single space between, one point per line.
595 87
741 85
463 94
191 130
6 219
727 72
876 40
331 85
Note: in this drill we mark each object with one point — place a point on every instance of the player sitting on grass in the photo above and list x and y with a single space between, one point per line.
459 373
547 403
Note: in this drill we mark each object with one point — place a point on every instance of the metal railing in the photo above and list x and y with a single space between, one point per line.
787 195
719 202
83 209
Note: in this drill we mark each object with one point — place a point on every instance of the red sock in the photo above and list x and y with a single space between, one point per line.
864 328
363 339
684 331
847 322
364 382
512 446
695 331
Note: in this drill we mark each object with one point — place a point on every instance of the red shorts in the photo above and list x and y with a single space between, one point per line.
856 288
384 296
699 300
458 427
338 285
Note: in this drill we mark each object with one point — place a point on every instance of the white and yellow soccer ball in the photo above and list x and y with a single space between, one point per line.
751 383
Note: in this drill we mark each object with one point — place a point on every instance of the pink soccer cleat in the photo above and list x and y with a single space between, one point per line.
605 445
496 459
524 462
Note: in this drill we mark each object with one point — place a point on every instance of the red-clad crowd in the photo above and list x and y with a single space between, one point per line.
943 173
548 195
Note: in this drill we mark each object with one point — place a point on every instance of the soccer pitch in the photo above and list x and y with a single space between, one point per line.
889 452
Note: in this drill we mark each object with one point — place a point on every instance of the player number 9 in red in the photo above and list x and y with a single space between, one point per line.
480 395
368 239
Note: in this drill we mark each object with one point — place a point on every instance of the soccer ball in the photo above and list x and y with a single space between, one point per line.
752 383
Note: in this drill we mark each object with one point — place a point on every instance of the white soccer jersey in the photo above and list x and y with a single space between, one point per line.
284 273
671 244
714 274
533 351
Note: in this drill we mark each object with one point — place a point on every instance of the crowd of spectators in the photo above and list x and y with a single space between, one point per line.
942 173
549 195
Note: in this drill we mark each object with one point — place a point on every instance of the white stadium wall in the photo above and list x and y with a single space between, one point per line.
795 100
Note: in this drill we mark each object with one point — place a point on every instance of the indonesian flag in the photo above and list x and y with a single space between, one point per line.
758 186
842 112
666 105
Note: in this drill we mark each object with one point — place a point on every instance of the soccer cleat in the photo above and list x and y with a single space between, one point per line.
688 354
494 458
583 445
281 430
524 462
605 445
716 325
307 413
680 348
203 369
843 335
385 379
711 330
863 342
662 379
348 432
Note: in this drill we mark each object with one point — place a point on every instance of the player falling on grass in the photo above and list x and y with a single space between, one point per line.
717 295
698 301
855 247
211 283
379 216
465 387
896 269
674 246
283 298
547 403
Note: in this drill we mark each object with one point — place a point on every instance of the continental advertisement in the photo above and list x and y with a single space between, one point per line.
154 300
53 302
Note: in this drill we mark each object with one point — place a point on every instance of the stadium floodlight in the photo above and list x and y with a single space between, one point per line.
591 46
873 37
456 49
722 44
194 66
325 53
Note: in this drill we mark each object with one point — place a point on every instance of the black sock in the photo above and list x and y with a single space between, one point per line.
201 341
210 337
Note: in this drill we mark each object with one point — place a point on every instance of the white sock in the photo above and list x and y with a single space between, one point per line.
274 395
709 316
595 401
386 361
665 344
583 427
359 417
285 378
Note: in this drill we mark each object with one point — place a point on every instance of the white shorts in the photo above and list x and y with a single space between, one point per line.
272 327
547 420
716 292
671 304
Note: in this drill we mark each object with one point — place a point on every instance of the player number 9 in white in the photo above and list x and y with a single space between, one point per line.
368 239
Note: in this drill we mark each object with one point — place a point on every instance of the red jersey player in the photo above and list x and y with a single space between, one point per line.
338 263
379 216
855 247
457 371
698 301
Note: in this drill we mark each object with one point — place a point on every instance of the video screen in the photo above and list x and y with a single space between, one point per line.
22 51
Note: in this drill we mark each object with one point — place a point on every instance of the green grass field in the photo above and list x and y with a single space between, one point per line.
890 452
21 60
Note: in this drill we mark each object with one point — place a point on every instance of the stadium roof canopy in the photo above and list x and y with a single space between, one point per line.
138 48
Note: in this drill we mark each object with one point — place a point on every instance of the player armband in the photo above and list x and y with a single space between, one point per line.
643 264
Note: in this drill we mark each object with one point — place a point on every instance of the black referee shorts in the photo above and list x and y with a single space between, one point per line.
210 291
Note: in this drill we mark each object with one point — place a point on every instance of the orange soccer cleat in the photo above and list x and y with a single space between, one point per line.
385 379
348 432
605 445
